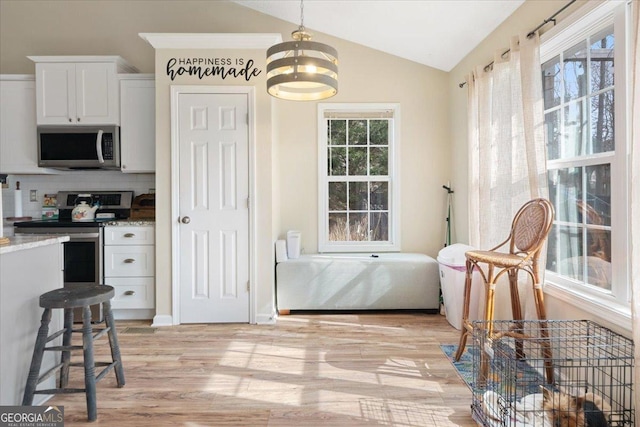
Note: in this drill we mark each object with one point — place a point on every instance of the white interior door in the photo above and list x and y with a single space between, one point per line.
213 207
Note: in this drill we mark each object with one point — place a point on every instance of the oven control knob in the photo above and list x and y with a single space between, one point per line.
185 220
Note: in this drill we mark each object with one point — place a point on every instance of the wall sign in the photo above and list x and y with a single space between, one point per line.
237 68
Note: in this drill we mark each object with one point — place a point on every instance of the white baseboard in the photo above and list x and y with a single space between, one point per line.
133 314
266 319
162 320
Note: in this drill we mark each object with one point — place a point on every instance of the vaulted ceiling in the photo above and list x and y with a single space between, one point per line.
437 33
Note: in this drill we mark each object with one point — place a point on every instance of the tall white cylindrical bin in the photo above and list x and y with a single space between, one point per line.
293 244
453 272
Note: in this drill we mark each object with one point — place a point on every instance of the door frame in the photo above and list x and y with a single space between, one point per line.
177 90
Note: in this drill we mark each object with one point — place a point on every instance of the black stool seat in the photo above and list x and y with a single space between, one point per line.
76 297
69 298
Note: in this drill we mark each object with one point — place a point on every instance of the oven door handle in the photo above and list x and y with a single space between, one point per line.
82 235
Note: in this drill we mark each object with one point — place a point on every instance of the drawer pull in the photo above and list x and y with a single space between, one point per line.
129 235
129 261
130 292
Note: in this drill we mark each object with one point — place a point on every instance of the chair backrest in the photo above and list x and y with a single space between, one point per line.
531 225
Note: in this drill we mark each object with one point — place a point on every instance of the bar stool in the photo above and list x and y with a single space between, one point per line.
68 299
529 231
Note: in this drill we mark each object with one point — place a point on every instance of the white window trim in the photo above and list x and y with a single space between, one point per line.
393 245
588 20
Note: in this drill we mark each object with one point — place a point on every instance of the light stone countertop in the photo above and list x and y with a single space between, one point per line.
22 242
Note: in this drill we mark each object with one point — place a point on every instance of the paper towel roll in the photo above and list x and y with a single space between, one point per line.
281 250
293 244
17 203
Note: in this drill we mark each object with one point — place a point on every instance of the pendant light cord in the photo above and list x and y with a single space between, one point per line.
302 14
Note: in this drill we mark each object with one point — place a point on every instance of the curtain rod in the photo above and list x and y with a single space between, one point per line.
530 34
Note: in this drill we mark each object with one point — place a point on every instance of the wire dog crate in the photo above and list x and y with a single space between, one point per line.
535 373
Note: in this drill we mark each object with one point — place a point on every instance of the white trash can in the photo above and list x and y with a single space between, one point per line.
293 244
452 265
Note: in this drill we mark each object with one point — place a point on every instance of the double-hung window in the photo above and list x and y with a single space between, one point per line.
586 109
358 185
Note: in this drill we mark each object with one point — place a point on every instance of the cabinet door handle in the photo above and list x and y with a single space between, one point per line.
128 235
129 261
70 120
130 292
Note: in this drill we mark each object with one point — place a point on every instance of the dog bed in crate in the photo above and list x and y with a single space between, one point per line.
591 383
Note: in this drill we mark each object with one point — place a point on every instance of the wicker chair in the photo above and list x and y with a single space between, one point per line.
529 231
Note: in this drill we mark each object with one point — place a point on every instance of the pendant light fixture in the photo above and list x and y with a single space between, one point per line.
302 70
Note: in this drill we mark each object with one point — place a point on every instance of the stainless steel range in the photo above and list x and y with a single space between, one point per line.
83 253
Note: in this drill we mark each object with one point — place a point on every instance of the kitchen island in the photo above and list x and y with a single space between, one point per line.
29 267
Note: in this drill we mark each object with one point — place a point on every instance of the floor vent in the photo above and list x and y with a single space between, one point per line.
139 331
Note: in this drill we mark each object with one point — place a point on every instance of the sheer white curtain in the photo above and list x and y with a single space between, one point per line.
507 148
635 198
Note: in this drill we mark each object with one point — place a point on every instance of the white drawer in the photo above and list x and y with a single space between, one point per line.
132 292
129 261
135 235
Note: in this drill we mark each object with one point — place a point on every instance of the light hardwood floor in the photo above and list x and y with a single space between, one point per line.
306 370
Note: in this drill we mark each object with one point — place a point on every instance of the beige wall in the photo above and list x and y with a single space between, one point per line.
371 76
286 150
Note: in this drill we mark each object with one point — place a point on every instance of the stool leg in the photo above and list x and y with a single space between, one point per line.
113 343
489 309
89 365
516 310
66 342
542 316
36 360
465 312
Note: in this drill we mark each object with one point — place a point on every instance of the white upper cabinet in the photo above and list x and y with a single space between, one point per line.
78 90
18 145
138 123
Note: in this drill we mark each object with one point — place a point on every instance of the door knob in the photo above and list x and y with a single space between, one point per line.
185 220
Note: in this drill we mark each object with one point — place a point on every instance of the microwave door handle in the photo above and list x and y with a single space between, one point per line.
99 146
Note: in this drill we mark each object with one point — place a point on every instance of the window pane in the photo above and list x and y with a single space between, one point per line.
379 226
358 196
599 258
552 83
379 132
379 161
575 129
337 132
358 161
602 117
564 254
358 227
565 192
338 231
357 132
337 161
602 60
552 130
599 244
379 196
337 196
598 201
575 71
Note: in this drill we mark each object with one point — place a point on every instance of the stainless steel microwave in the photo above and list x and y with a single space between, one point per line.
79 147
